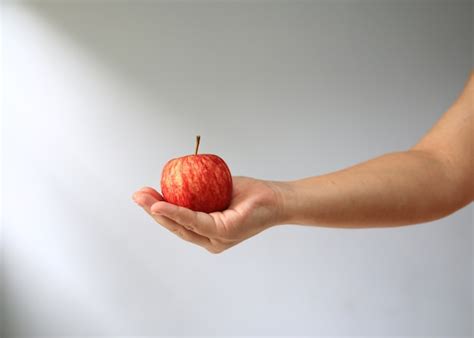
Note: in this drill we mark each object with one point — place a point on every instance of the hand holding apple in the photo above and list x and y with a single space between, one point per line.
200 182
255 206
203 204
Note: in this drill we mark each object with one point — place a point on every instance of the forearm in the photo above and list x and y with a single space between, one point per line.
394 189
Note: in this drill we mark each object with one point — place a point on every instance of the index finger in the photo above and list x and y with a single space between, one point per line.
198 222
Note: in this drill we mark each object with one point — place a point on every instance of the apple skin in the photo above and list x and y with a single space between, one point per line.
199 182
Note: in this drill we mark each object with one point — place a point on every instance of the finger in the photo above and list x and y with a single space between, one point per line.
182 232
146 201
198 222
152 192
155 194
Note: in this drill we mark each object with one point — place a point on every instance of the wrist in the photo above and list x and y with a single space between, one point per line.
286 202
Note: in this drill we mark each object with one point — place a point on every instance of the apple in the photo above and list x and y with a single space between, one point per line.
199 182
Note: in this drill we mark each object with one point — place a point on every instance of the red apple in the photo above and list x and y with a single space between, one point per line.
199 182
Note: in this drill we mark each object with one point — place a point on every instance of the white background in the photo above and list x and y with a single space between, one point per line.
97 96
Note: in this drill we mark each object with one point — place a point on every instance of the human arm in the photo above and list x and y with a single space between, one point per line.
431 180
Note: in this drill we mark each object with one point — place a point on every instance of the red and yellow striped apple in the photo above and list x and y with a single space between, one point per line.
200 182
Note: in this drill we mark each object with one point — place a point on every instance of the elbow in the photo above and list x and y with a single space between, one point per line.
453 182
455 196
461 191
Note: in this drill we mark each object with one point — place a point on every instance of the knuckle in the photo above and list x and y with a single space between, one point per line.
194 219
187 222
179 216
177 232
188 227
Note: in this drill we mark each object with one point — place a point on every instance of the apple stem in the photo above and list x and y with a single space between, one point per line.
196 148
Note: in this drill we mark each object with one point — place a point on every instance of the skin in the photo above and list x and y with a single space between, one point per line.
429 181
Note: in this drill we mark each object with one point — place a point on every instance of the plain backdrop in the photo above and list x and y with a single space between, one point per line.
97 96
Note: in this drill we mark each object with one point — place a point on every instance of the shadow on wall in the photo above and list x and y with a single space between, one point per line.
228 60
203 57
187 52
235 65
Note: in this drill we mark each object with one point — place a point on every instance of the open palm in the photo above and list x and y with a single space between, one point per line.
254 207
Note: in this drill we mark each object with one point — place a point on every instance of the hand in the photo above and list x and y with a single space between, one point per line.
256 205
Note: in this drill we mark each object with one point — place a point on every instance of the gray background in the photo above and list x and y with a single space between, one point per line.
99 95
